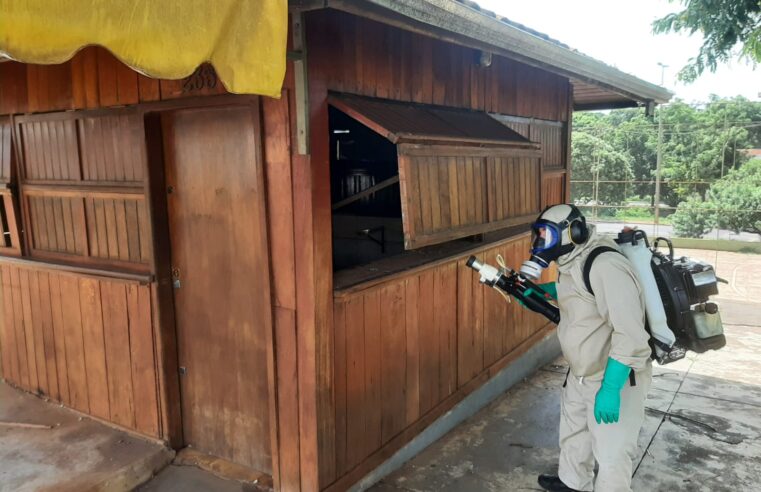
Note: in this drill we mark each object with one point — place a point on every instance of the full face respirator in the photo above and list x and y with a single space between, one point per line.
552 239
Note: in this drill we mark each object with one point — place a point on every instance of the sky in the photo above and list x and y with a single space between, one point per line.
619 33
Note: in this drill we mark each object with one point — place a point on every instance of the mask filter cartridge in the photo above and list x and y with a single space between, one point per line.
532 269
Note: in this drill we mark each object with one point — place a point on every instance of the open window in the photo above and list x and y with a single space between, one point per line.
408 175
10 243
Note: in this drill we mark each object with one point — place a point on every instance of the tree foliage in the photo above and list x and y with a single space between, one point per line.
693 218
594 158
737 199
700 145
724 24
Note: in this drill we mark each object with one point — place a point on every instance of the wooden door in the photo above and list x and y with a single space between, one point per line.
221 277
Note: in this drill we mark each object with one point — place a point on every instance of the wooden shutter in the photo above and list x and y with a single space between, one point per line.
449 192
82 186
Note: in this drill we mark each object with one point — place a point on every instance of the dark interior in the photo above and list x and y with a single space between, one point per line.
368 228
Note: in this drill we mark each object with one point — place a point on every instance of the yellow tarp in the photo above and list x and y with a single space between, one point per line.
245 40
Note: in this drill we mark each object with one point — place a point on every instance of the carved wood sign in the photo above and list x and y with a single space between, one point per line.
203 79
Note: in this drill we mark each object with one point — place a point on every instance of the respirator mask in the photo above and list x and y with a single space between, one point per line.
555 233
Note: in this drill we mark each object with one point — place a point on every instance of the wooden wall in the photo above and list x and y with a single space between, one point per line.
554 184
82 187
359 56
81 340
93 78
406 349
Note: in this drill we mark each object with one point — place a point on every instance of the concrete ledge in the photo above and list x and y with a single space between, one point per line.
544 352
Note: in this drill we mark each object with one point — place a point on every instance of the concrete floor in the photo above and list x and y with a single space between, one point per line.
75 454
702 429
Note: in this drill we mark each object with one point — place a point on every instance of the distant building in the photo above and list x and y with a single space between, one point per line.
753 153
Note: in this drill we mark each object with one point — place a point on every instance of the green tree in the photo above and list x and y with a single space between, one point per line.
693 218
594 158
724 24
737 199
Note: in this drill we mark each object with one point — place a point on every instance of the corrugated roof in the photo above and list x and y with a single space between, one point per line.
407 122
517 25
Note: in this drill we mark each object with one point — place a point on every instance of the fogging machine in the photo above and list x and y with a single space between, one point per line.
514 284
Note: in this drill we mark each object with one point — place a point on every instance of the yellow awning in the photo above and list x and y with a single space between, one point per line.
245 40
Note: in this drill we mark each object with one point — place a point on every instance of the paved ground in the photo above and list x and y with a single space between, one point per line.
702 430
74 454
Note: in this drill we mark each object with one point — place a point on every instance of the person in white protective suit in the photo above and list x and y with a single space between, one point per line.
603 337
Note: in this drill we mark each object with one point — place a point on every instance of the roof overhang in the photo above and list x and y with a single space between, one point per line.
596 84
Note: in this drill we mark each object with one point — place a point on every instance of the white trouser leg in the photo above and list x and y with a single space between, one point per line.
576 465
615 445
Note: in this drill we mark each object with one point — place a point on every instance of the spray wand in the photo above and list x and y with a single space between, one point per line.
508 281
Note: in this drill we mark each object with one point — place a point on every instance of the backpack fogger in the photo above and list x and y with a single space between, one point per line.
680 315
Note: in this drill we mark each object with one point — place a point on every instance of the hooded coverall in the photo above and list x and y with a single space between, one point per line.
610 323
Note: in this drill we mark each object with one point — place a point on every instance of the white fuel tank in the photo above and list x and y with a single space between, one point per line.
636 250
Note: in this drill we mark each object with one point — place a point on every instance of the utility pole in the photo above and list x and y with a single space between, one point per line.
659 157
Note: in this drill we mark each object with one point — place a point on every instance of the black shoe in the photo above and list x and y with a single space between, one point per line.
553 484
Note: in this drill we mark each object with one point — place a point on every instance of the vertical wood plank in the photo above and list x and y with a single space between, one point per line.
59 335
373 402
340 365
43 348
9 343
356 414
116 344
33 338
393 360
288 413
428 330
411 306
75 343
94 347
445 316
143 362
21 339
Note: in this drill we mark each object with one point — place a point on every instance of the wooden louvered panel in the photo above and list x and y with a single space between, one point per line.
452 192
82 187
50 148
57 224
112 148
87 224
117 229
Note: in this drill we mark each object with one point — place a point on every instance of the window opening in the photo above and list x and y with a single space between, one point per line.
366 202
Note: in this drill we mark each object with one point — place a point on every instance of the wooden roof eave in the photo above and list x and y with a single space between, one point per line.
458 23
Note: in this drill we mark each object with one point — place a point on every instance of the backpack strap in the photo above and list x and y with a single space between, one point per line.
590 260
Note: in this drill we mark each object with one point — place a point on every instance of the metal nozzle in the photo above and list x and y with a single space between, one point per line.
474 264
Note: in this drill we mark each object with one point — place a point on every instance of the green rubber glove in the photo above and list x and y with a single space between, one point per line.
608 399
549 288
